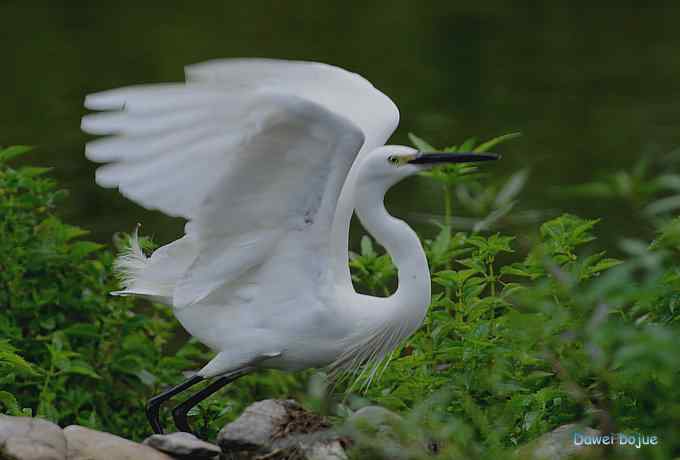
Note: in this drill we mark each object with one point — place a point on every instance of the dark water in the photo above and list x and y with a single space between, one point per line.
591 88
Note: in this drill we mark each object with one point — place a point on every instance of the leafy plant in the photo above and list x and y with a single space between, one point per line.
69 351
523 338
527 330
482 206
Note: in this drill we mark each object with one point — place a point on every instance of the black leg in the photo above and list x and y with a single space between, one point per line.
154 404
179 413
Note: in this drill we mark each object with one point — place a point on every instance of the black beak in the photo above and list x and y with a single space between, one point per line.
467 157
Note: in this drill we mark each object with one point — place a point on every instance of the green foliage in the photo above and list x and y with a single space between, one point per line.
69 351
482 206
527 330
648 187
524 335
374 271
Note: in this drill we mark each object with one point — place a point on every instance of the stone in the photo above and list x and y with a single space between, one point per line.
183 445
559 444
280 429
376 416
26 438
255 429
320 445
332 450
86 444
372 422
373 425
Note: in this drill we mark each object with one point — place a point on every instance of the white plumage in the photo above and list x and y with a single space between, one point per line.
266 160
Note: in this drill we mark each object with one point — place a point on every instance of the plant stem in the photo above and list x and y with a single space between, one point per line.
447 223
493 279
447 205
41 401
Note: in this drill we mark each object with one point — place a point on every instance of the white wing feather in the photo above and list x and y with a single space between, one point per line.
254 154
267 165
340 91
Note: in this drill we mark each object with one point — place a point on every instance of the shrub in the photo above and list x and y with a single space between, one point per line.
69 351
524 336
527 330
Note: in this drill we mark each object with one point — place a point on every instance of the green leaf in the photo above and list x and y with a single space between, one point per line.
441 244
605 264
146 377
512 187
13 151
82 330
72 231
18 363
668 182
8 400
534 375
367 246
493 217
457 277
79 367
31 171
420 144
519 270
668 204
81 249
467 145
486 146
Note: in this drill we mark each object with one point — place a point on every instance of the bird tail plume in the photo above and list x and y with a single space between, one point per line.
130 264
129 267
153 277
135 272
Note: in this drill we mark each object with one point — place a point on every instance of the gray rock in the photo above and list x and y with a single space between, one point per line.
332 450
374 427
257 426
183 445
86 444
375 416
26 438
322 445
559 444
301 447
280 429
374 423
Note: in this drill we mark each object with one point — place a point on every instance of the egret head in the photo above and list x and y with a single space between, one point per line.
391 163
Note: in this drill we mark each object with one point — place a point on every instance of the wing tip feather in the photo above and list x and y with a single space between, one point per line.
103 101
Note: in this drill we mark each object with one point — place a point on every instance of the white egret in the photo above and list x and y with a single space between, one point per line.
266 160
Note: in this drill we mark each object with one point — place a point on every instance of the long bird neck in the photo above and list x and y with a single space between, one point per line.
401 243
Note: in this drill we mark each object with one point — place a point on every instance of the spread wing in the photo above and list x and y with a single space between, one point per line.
340 91
255 165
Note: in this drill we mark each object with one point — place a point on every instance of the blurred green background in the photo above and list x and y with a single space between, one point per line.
592 88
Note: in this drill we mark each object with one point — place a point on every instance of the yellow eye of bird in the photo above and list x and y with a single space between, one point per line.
393 159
